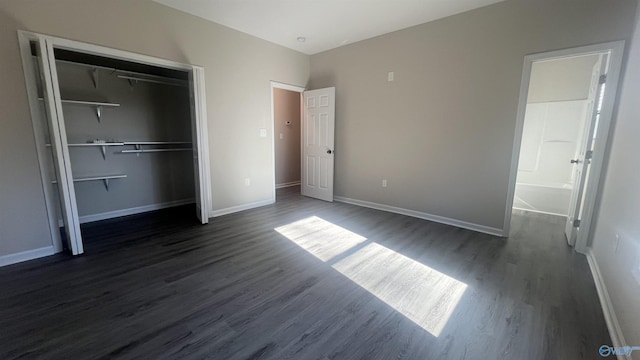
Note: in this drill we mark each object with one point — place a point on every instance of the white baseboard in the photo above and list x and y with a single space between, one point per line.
607 307
26 255
132 211
288 184
422 215
243 207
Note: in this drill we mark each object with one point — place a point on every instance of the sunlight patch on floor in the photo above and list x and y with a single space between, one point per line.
424 295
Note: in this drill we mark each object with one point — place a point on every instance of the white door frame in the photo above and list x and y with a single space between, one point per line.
283 86
24 37
616 50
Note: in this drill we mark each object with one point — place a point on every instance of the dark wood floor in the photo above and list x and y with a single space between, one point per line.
304 279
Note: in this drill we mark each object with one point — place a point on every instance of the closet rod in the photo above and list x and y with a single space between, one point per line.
165 82
152 150
156 142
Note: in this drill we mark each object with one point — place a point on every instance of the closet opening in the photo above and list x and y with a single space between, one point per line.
116 136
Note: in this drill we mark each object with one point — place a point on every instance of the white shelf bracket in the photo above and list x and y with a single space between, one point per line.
104 152
99 112
106 183
94 76
132 82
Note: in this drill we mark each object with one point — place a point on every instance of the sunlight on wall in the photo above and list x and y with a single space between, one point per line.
425 296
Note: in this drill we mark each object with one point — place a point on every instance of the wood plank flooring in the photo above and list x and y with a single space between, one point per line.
304 279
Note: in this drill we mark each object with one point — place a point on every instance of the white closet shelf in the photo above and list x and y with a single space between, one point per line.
103 146
104 178
88 103
97 104
99 177
98 144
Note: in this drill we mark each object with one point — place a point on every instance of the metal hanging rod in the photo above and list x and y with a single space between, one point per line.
135 79
139 151
156 142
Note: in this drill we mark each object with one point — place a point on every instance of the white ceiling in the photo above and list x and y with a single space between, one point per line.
326 24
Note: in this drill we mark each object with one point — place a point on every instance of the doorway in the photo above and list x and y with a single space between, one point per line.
286 105
565 108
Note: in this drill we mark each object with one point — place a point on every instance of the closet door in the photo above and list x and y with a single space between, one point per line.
196 88
62 162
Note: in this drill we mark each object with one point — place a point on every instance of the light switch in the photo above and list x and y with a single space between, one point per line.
281 136
263 132
390 76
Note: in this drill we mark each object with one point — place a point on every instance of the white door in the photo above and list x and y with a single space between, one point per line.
195 79
584 154
62 161
318 125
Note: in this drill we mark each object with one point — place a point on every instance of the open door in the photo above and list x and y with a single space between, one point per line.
195 82
62 161
582 162
318 126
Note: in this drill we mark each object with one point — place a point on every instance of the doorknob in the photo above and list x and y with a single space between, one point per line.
576 161
329 151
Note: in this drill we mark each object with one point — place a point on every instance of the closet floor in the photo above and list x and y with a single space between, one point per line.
304 279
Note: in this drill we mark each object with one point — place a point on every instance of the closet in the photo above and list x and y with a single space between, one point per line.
116 137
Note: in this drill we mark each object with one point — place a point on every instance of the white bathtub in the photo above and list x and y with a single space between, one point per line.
548 199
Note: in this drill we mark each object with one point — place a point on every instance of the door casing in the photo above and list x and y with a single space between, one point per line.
283 86
615 50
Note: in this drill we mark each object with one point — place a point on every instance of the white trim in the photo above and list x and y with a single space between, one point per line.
287 184
615 49
202 134
617 338
235 209
421 215
27 255
278 85
131 211
92 49
41 150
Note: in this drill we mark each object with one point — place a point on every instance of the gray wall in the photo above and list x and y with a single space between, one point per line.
238 68
442 132
619 210
286 106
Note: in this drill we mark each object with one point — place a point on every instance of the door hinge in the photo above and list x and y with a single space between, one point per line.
576 223
588 155
603 79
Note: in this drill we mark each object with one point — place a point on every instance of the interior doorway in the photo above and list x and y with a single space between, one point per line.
287 107
562 128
